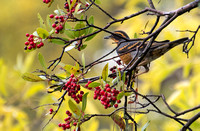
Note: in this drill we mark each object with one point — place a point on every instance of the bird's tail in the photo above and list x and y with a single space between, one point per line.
177 42
169 45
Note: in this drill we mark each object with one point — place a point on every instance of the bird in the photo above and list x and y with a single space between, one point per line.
127 50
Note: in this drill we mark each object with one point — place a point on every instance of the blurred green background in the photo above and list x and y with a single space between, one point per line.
174 75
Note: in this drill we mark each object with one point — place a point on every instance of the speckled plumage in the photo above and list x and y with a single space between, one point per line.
157 49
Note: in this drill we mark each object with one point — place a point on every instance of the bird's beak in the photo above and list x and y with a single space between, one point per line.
107 37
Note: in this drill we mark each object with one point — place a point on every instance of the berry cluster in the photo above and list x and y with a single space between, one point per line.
113 70
66 6
69 121
107 96
46 1
58 24
74 89
33 42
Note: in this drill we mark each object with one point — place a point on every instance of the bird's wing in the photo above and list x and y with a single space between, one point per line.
129 46
132 46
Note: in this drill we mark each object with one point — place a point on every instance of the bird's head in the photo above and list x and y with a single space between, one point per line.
117 36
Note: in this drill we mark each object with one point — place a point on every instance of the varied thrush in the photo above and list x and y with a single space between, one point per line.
127 50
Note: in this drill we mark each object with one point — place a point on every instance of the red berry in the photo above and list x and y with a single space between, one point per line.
95 97
115 105
109 95
31 36
68 118
70 114
30 39
68 126
81 92
38 46
107 85
54 25
103 98
90 88
102 92
51 110
89 82
60 125
97 88
113 90
31 43
77 101
56 31
30 47
72 75
41 44
118 101
60 27
87 5
86 85
51 15
57 28
34 45
26 43
114 98
27 34
108 89
56 17
61 17
67 112
74 123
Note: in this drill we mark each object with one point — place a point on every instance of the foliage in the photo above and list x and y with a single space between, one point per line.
174 75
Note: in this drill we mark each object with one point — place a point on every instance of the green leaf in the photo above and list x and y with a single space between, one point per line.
77 67
83 47
91 37
31 77
59 41
98 1
83 60
74 108
145 126
42 61
79 26
68 69
120 95
128 94
84 101
72 4
69 33
119 74
42 33
94 84
135 35
105 72
91 20
49 22
118 120
68 1
124 77
42 25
